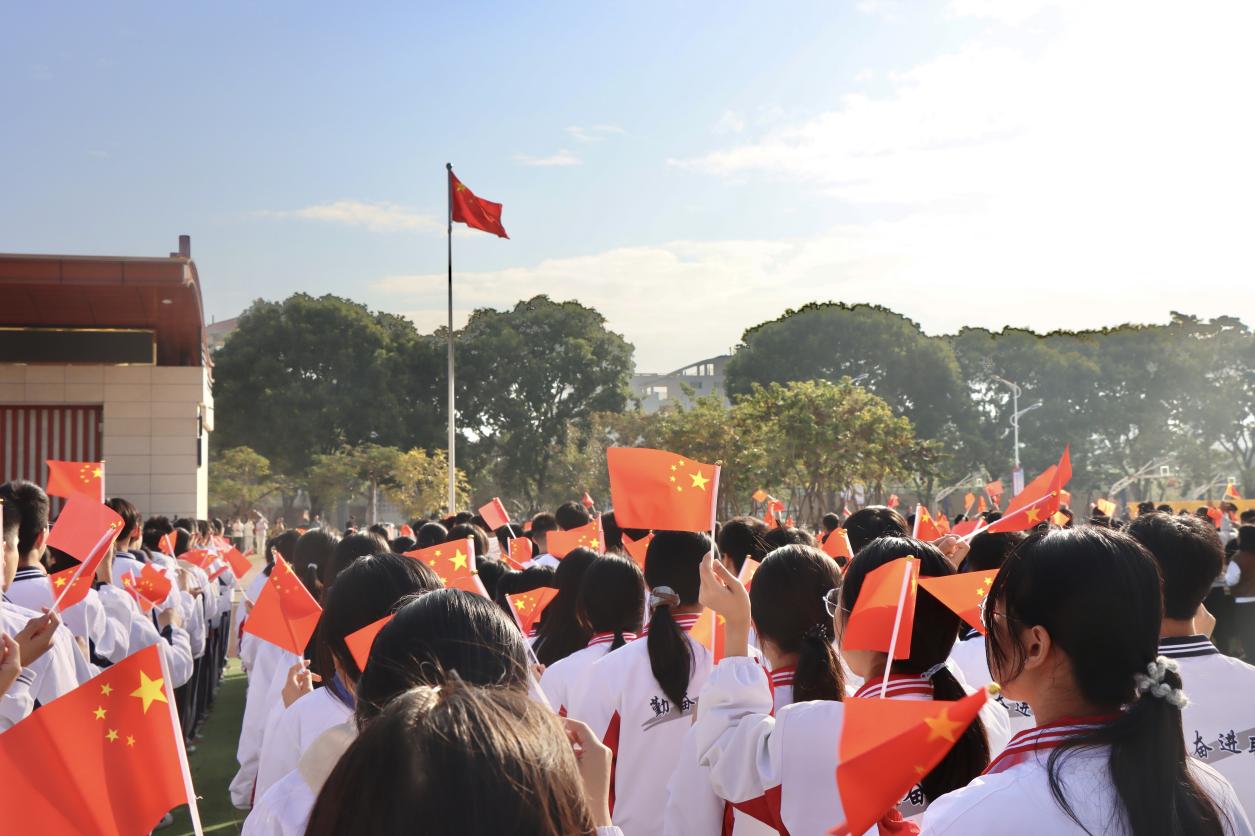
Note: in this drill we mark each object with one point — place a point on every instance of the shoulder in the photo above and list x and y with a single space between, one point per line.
1222 794
989 804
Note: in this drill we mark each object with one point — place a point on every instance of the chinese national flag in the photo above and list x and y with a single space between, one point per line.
359 641
870 625
239 563
981 507
68 479
964 594
1038 501
967 528
527 606
837 545
473 211
166 544
662 491
748 570
152 584
106 758
69 586
887 745
454 564
562 543
217 573
943 524
638 548
711 632
1231 492
968 499
198 557
84 528
770 519
925 528
285 613
520 552
775 506
406 531
994 489
494 514
128 583
760 495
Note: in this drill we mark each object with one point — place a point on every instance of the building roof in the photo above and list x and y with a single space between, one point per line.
64 291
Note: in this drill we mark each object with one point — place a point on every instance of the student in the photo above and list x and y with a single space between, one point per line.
611 609
571 515
430 636
1221 711
1243 588
742 538
429 534
639 699
794 630
786 762
866 524
1074 619
362 594
987 554
33 636
542 524
561 631
464 760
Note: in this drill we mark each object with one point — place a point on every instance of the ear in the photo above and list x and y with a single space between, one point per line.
1037 646
41 542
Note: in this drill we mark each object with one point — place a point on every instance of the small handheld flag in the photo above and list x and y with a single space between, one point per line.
562 543
454 564
359 641
494 514
884 614
67 479
965 594
661 491
285 613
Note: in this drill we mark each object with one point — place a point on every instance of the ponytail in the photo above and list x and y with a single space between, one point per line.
619 640
818 675
970 754
670 657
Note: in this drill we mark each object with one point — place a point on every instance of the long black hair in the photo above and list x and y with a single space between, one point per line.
561 632
935 631
612 597
672 561
786 601
741 538
1098 594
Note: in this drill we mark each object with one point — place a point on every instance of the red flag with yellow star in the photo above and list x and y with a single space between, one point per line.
562 543
473 211
454 564
662 491
1231 493
76 479
239 563
69 586
837 545
748 570
519 553
1038 501
964 594
925 528
152 584
495 514
129 584
637 549
359 641
871 622
527 606
199 557
84 528
285 613
711 631
106 758
887 746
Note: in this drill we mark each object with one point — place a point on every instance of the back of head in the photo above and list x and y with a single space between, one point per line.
461 760
935 630
866 524
782 536
786 600
561 631
612 597
611 533
430 534
312 557
830 522
1189 555
672 571
31 503
1096 592
350 549
989 551
543 524
125 509
380 529
402 544
1246 538
571 515
182 540
743 537
362 594
284 543
462 531
435 635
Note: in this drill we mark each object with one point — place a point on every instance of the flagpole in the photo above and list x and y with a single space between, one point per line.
897 625
452 465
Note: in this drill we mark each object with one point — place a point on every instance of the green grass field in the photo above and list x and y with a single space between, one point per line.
213 762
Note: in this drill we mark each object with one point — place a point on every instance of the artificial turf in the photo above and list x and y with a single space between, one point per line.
213 763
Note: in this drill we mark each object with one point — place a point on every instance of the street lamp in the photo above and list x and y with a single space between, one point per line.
1017 476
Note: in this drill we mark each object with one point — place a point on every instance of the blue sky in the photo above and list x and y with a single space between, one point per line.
688 169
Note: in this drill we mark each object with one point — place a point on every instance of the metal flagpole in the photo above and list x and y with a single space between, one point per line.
452 464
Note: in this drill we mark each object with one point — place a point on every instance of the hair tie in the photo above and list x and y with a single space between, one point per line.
663 596
1152 682
820 631
934 670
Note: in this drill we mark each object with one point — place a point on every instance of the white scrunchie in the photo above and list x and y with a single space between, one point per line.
1152 682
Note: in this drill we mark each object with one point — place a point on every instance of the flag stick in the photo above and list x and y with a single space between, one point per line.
104 541
714 514
190 790
452 464
897 625
971 534
915 526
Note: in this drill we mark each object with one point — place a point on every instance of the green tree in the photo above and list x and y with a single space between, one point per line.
418 483
528 377
238 479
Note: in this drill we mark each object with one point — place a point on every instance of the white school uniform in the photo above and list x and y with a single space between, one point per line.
142 632
1014 793
87 619
693 807
566 677
624 704
1219 722
784 765
968 655
270 665
283 810
61 669
293 729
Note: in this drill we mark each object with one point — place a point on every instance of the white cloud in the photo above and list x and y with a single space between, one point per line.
562 158
889 10
376 216
1004 11
593 133
730 122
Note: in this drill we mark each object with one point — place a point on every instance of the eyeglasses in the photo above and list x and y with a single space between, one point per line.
831 600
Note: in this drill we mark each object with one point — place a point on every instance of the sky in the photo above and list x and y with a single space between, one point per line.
688 169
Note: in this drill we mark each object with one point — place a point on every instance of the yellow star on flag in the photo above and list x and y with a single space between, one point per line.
149 691
699 481
130 741
112 735
458 560
98 473
106 689
59 582
1032 515
943 727
99 712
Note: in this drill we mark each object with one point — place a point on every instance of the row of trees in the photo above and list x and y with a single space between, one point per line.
337 400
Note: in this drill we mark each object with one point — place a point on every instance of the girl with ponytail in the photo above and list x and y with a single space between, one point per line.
640 698
610 609
1073 620
778 761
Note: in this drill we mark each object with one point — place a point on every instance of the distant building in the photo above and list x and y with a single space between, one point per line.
217 332
682 386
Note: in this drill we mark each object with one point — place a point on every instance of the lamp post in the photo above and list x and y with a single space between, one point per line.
1017 475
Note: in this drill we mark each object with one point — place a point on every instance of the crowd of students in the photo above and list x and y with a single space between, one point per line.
1116 712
